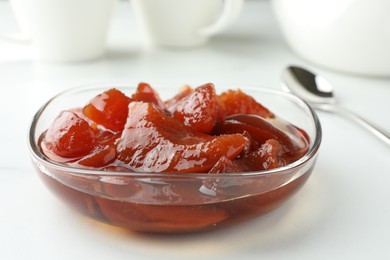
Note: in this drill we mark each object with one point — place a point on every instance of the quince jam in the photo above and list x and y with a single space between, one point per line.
196 131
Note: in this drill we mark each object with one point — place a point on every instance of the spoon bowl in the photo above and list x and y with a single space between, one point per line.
318 92
310 87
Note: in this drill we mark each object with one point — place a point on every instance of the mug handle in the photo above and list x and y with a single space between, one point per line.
230 12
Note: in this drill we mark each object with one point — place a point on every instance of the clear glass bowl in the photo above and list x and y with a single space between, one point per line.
173 203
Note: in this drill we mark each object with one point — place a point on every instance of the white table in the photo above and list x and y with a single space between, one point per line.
343 212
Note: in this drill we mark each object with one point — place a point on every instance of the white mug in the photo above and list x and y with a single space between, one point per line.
63 30
184 23
347 35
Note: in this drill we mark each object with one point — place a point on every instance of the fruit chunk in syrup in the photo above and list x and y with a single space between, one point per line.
197 109
108 109
70 136
154 142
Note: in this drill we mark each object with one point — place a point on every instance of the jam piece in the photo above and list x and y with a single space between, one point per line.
251 145
69 136
237 102
270 155
198 109
154 142
185 91
104 152
147 94
100 156
108 109
260 129
225 165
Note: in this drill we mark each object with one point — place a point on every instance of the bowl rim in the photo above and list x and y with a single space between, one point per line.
37 156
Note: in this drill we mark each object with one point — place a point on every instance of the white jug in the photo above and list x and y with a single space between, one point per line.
346 35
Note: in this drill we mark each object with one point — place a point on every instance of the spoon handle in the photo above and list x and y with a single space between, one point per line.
381 134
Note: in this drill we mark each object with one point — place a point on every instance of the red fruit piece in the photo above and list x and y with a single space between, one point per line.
154 142
258 128
108 109
270 155
225 165
182 94
237 102
198 109
104 152
147 94
100 156
69 136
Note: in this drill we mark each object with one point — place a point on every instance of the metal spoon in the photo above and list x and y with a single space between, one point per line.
318 93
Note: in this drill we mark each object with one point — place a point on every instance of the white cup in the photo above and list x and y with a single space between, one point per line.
185 23
63 30
346 35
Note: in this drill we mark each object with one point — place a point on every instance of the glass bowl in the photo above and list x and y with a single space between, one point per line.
173 203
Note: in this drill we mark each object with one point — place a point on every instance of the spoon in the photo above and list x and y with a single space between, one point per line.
319 94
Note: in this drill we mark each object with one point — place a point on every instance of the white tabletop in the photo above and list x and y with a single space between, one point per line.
342 212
